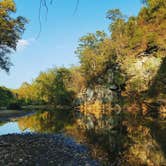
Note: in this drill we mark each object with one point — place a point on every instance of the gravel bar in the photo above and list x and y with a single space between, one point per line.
42 150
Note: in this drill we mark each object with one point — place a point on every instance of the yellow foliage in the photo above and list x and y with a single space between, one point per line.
97 109
7 4
162 111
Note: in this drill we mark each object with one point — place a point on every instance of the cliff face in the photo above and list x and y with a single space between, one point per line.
141 72
144 74
143 82
106 88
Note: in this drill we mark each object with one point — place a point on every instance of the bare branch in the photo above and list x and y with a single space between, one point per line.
39 17
76 7
43 3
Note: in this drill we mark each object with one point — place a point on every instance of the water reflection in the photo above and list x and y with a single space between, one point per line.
147 141
45 122
41 122
11 127
127 140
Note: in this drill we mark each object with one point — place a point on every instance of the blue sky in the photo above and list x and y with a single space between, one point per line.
60 34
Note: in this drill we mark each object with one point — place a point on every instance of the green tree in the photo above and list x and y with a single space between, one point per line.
6 96
62 95
27 94
53 86
11 30
114 14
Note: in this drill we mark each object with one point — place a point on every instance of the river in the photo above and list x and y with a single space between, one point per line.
38 122
43 137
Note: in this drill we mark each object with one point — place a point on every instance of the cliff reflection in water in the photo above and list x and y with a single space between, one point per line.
126 139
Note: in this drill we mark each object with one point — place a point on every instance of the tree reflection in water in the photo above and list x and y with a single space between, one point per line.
142 145
46 121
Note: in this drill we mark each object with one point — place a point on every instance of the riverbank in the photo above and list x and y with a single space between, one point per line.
43 149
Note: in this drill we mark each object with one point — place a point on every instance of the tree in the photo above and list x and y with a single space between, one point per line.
27 94
114 14
11 30
6 96
62 95
45 83
53 86
92 52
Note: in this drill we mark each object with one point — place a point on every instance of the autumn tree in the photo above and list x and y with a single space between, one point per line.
27 94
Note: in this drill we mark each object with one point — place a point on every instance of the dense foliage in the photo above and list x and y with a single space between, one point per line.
57 86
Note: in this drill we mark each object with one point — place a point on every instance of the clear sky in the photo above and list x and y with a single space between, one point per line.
60 34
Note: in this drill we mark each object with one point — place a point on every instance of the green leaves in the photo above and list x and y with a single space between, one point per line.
6 96
114 14
11 30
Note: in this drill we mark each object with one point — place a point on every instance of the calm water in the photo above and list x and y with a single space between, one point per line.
11 127
60 121
40 122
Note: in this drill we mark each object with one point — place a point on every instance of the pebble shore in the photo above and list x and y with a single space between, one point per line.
42 150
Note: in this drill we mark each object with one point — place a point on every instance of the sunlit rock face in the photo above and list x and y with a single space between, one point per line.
106 88
141 72
100 93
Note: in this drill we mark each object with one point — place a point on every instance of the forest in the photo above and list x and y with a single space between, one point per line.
116 96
